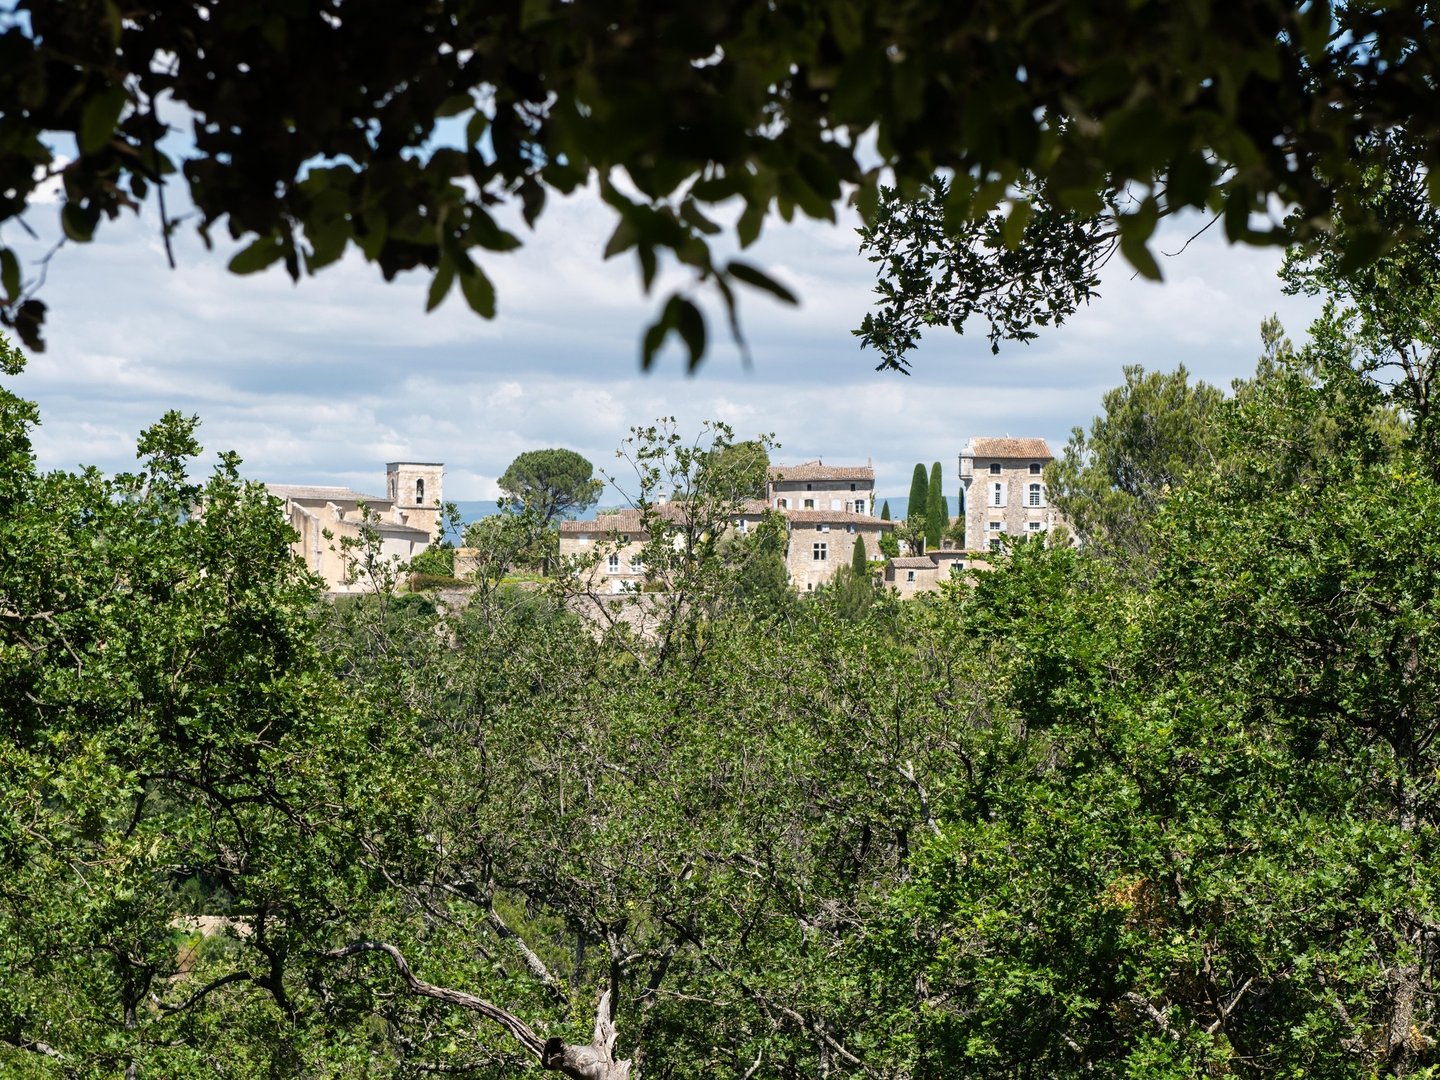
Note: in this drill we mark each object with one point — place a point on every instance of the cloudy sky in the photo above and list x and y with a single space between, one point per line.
326 381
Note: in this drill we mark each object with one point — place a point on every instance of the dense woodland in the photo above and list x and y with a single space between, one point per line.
1163 804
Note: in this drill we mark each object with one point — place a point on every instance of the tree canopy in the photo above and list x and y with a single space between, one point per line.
1056 818
417 133
551 484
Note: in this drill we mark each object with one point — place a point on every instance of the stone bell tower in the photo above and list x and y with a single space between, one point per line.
416 488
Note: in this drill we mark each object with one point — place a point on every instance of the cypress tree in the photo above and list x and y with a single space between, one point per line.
859 561
937 510
915 512
919 487
885 511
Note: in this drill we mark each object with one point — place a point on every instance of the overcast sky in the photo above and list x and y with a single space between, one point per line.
326 381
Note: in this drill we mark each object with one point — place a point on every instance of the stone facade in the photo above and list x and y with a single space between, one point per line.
1004 490
403 528
608 551
822 541
826 507
831 488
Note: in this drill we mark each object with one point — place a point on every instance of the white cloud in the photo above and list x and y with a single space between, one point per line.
327 380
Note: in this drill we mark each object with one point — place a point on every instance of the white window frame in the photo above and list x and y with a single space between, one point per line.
808 504
819 551
612 564
637 565
909 575
998 493
994 468
1035 495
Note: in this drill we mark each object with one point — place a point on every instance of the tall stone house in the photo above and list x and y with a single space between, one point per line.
1004 490
405 520
827 508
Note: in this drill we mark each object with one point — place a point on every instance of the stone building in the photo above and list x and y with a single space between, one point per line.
826 508
911 574
404 523
1004 490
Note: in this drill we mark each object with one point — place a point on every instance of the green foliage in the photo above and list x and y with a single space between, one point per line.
316 135
889 545
552 484
1386 310
741 468
885 511
436 560
174 745
859 561
1034 263
916 514
1192 845
1156 428
937 510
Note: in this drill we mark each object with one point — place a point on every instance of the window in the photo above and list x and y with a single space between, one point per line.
809 504
909 575
782 504
1034 468
742 526
614 564
994 468
995 544
1036 526
850 529
809 487
393 492
997 526
637 565
852 487
859 506
823 528
820 552
420 492
956 567
997 494
1036 498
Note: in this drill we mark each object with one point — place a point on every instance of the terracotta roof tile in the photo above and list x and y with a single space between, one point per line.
813 471
317 493
834 517
1030 449
914 562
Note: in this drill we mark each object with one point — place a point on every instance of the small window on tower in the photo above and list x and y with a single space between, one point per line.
420 492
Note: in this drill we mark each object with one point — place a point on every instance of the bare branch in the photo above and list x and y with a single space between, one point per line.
596 1061
532 960
198 995
1158 1016
522 1032
908 772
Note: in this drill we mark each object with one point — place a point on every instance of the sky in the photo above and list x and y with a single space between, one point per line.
325 381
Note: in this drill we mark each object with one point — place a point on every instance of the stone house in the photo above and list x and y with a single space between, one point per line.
826 508
1004 490
911 574
404 523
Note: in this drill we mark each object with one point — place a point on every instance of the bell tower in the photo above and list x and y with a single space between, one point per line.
416 489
